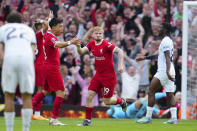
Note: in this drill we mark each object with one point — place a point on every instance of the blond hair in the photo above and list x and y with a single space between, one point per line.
97 28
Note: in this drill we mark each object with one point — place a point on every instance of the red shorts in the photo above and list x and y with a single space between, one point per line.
103 84
39 74
53 78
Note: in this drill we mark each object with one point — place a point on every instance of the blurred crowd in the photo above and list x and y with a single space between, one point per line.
133 25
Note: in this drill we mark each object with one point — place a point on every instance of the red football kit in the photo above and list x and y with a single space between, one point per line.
39 61
53 79
105 77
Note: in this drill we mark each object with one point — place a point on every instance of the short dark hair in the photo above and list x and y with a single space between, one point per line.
54 22
167 27
166 30
14 18
36 25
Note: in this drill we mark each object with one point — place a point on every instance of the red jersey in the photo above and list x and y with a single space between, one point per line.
103 54
40 54
52 56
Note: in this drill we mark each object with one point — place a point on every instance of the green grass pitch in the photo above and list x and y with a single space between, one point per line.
105 125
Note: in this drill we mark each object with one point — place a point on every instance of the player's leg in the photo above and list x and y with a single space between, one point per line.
38 97
55 83
39 82
37 103
56 107
93 89
118 113
169 88
26 111
108 84
89 104
9 82
9 113
154 86
116 100
89 108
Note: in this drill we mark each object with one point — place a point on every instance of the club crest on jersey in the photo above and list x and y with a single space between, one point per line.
101 51
53 40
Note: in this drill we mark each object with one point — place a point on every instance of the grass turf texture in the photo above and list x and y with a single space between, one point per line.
105 125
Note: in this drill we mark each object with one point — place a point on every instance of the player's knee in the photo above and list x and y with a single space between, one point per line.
89 98
60 93
107 101
27 100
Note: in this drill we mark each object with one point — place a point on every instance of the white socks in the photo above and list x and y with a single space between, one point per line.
149 111
37 113
26 118
173 111
9 120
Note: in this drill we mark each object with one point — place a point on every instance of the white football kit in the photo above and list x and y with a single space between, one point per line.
18 61
166 45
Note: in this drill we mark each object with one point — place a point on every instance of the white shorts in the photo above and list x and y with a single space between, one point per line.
18 70
167 84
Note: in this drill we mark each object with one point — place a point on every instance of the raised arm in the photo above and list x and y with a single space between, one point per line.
120 54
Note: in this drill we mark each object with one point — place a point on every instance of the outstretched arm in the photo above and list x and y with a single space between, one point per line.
59 44
120 54
152 57
83 50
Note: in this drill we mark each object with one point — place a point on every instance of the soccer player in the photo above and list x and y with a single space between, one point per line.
39 64
52 77
105 77
165 76
18 67
137 109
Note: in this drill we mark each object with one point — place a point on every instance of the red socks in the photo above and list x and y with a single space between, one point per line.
88 111
119 101
37 101
56 106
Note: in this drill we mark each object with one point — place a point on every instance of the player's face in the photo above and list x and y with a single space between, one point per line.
59 29
97 35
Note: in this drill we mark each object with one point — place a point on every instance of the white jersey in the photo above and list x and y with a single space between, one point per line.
18 64
166 45
17 39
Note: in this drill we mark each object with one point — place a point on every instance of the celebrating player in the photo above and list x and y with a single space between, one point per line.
53 79
39 64
105 77
18 67
165 76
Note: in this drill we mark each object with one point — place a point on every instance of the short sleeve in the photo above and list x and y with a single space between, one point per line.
110 46
89 45
51 40
166 45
